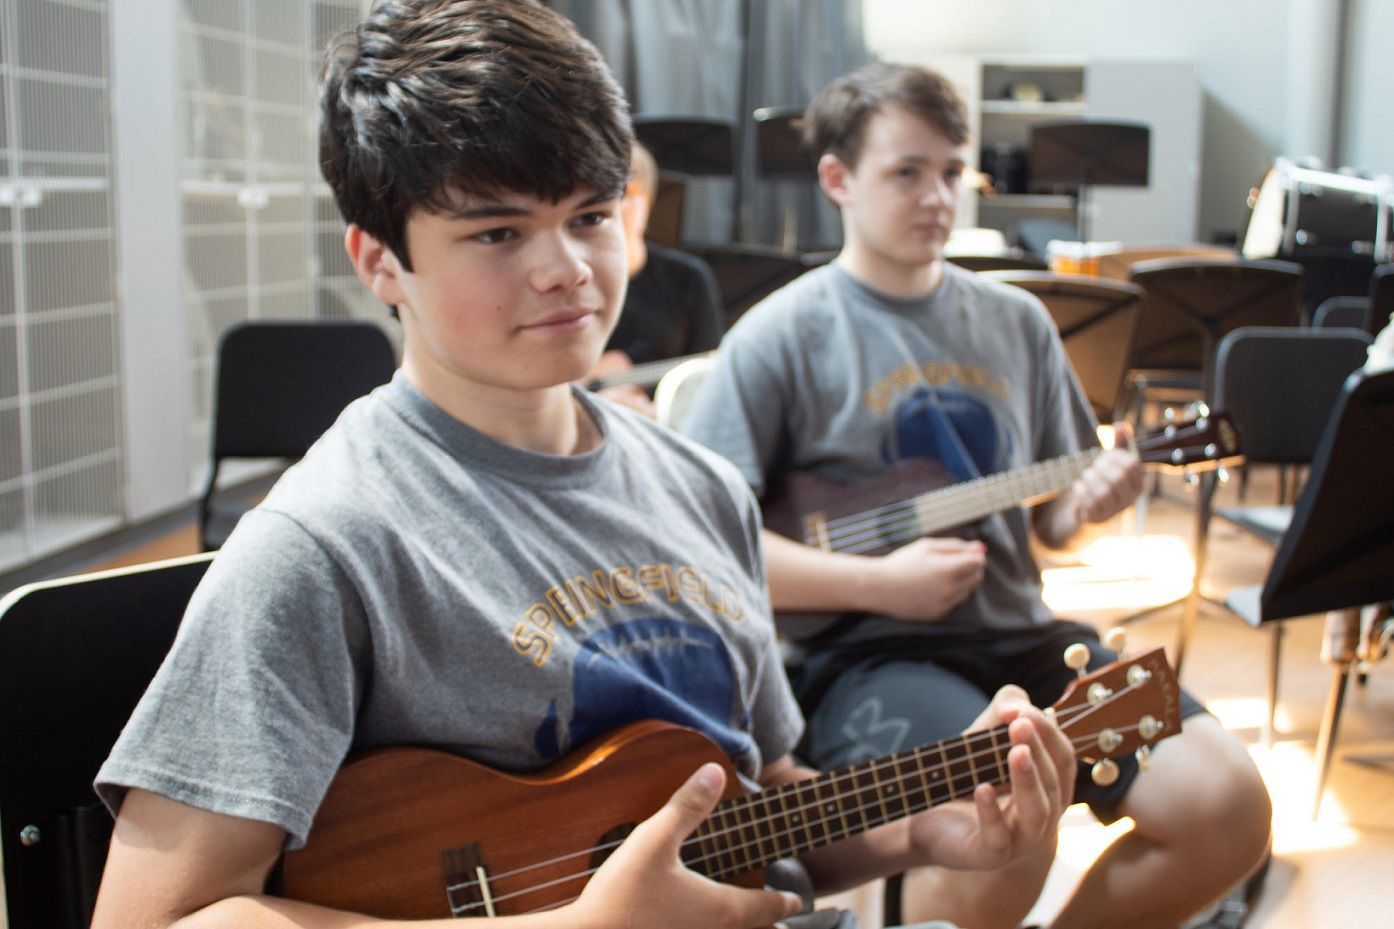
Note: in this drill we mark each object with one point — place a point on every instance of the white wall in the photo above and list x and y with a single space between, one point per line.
1367 137
1240 49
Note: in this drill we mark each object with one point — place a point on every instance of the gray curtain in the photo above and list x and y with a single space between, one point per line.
725 58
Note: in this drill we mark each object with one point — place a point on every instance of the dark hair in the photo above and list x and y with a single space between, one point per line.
836 120
430 100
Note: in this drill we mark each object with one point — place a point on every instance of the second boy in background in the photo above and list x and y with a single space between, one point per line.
889 354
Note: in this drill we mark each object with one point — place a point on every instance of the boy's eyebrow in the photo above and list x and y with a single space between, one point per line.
925 160
505 210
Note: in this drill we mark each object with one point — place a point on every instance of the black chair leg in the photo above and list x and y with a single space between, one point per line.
1330 722
1275 654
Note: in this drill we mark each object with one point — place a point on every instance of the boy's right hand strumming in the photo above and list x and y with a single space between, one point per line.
926 579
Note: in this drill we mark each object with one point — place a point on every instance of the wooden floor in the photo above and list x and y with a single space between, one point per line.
1330 871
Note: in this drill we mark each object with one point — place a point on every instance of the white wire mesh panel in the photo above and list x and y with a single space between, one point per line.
11 465
67 38
254 205
60 439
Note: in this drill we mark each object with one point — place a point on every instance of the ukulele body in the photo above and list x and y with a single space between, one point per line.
401 825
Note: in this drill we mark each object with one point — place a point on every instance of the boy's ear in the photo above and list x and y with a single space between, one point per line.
376 265
832 177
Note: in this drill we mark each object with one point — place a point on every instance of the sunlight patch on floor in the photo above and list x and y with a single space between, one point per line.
1121 572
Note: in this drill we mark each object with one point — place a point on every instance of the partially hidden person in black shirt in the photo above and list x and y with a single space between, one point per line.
672 307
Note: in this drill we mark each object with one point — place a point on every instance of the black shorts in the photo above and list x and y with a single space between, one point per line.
866 700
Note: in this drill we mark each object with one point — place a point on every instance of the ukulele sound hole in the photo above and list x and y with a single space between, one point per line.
609 842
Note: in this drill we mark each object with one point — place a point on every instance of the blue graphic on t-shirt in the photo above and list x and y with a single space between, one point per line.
949 426
648 669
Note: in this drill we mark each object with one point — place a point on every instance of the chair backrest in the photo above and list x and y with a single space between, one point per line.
1342 313
75 656
673 394
1119 265
997 262
1097 320
1192 303
1338 549
746 274
1279 386
780 151
281 383
1381 297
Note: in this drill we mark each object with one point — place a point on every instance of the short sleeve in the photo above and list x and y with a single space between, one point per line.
253 710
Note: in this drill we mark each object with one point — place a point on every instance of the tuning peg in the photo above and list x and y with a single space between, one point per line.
1077 657
1190 479
1104 772
1169 415
1222 474
1144 757
1116 639
1200 409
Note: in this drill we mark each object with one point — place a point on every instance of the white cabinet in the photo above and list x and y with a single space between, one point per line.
1006 95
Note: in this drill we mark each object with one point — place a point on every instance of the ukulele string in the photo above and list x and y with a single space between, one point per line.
955 792
1075 714
1063 718
943 507
870 529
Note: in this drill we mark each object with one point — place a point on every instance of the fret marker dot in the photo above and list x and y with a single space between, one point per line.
831 808
796 817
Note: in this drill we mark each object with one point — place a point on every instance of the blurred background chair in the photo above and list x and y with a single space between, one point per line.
279 385
1280 419
673 395
1012 262
746 274
1381 297
1190 305
1097 320
1342 313
1118 265
75 656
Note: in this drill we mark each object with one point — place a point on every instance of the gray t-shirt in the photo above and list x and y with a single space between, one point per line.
412 581
830 376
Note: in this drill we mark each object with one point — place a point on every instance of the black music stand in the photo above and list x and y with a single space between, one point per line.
700 146
1089 153
1338 551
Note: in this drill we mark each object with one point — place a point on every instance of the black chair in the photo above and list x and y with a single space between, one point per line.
75 656
701 146
746 274
1381 297
780 152
279 385
1342 313
1280 417
1018 262
1192 303
1097 319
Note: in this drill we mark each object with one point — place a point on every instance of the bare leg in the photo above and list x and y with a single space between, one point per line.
980 899
1202 818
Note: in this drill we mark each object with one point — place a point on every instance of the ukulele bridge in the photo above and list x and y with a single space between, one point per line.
815 531
466 877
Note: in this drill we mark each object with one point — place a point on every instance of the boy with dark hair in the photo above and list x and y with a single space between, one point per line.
420 577
891 354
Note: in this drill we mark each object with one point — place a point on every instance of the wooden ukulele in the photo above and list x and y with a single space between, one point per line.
916 496
416 833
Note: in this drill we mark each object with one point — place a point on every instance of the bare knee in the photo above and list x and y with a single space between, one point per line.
1208 803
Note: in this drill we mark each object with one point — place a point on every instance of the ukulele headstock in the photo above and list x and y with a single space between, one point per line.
1203 443
1129 705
